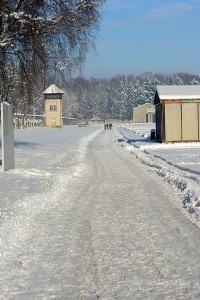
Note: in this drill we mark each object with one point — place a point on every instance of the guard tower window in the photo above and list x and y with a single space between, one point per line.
53 107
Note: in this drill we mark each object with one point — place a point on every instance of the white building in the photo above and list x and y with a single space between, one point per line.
144 113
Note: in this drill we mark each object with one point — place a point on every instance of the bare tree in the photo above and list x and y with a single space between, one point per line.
42 36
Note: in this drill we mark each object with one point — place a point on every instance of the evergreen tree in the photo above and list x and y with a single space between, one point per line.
149 87
127 99
115 97
194 82
175 80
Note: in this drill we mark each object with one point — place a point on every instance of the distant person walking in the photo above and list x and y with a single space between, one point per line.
110 126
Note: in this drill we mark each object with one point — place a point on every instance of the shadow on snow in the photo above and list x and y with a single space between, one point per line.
24 144
21 144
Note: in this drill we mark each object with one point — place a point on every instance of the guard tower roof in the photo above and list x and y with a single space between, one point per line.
53 89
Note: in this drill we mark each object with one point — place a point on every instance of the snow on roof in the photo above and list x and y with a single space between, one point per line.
53 89
145 104
166 92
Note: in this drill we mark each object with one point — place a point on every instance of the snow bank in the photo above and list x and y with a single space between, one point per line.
173 162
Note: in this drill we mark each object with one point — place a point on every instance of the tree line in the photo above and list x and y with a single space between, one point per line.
44 41
115 97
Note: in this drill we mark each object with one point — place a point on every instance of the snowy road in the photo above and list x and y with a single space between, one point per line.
106 230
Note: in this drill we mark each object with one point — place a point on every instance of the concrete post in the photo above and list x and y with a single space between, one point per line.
8 160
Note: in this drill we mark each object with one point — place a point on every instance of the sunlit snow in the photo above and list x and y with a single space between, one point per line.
178 163
82 218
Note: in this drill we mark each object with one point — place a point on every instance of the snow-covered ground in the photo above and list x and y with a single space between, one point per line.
81 218
178 163
138 131
41 154
46 160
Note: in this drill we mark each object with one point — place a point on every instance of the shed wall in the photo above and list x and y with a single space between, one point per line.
172 122
190 122
159 122
181 122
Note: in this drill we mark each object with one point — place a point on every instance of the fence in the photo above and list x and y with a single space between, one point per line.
27 120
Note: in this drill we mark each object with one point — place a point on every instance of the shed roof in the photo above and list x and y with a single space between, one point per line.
166 92
53 89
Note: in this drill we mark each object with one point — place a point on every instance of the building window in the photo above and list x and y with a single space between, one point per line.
53 107
53 96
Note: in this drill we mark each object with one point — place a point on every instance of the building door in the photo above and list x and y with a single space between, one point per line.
172 122
53 123
190 122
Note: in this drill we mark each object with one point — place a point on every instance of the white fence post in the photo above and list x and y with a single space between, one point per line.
8 160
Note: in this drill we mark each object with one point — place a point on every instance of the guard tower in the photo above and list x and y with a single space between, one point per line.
53 106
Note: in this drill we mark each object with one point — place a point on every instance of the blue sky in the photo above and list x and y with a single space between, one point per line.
138 36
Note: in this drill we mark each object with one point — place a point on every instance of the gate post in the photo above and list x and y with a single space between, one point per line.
7 129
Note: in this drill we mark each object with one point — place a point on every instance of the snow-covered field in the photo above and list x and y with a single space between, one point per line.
46 161
178 163
41 154
81 218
